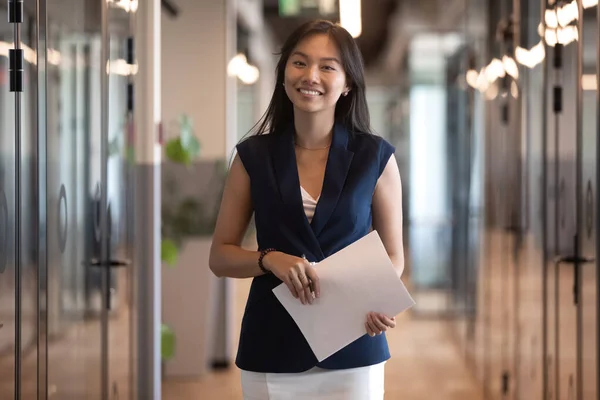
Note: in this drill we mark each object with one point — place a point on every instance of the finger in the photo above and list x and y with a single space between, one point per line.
312 274
378 323
290 286
369 330
300 270
306 287
390 322
372 325
298 285
379 326
308 294
372 332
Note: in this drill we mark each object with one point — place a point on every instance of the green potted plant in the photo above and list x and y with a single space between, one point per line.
191 193
186 217
182 149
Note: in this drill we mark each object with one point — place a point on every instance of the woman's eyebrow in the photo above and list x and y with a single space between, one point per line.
322 59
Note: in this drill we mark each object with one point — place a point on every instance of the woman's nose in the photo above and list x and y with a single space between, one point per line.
311 74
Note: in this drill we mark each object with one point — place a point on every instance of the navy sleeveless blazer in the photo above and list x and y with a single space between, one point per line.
270 340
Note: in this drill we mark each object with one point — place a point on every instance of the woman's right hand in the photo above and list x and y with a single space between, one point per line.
295 272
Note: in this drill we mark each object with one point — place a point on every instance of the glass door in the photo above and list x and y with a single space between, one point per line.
76 286
528 356
563 152
89 114
587 285
65 203
26 200
19 273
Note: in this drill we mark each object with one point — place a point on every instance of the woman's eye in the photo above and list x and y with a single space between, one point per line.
327 67
298 63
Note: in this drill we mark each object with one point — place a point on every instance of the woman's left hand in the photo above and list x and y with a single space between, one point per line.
378 323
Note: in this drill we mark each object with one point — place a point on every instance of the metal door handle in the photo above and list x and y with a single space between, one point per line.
94 262
572 259
577 261
514 229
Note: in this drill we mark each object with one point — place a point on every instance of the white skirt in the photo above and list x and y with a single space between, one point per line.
366 383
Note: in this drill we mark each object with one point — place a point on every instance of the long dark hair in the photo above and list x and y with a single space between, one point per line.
350 110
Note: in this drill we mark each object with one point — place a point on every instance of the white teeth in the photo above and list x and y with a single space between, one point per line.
310 92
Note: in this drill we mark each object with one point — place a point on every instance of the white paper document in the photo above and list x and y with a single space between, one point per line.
354 281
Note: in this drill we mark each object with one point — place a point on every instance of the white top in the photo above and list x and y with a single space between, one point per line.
309 203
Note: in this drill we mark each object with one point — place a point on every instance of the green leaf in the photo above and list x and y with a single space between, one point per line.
189 141
186 130
193 147
168 252
167 342
175 152
186 146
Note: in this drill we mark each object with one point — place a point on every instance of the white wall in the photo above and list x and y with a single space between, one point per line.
195 47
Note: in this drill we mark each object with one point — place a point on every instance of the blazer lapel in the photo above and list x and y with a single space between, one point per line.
288 181
338 164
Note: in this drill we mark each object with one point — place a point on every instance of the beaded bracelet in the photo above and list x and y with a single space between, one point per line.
260 260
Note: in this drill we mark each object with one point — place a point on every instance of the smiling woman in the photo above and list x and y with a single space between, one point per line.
314 76
328 52
317 180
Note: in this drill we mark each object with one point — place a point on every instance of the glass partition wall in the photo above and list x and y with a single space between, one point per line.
514 269
65 213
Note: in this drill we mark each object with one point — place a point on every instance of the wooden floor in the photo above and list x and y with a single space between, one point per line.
425 365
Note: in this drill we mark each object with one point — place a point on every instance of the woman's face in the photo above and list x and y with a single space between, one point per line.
314 77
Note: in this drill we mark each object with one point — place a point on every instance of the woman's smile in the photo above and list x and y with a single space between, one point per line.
309 93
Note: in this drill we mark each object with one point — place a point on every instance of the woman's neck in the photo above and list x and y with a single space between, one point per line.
313 130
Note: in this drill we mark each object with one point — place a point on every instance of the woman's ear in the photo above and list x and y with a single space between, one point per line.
347 88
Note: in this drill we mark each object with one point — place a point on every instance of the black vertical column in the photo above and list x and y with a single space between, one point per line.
557 109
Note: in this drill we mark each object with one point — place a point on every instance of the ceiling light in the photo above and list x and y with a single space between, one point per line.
530 58
589 82
350 16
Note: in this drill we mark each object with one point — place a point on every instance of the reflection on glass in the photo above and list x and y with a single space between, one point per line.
7 220
589 289
564 228
73 170
119 203
61 103
28 218
529 350
428 179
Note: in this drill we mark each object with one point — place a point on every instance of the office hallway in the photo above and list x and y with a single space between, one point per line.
425 365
